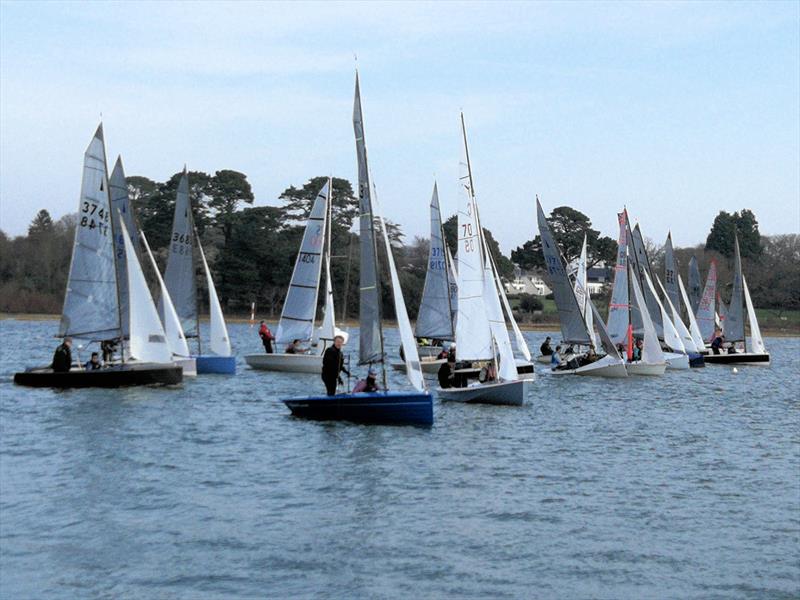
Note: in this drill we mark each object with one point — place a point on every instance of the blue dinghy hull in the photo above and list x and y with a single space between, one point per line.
397 408
221 365
696 360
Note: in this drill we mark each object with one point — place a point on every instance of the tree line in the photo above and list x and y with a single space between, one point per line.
252 250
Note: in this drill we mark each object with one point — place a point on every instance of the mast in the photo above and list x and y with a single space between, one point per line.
447 274
194 276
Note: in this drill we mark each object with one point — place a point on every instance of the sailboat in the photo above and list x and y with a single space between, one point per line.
92 307
481 333
123 218
572 321
394 407
300 307
181 281
734 324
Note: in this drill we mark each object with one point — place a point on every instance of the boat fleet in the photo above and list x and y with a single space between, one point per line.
653 324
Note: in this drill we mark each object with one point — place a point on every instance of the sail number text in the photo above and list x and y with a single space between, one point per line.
181 243
94 217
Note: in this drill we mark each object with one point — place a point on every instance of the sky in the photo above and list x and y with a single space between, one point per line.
675 110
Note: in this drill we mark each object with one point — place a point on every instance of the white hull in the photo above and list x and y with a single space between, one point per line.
605 367
545 360
676 360
289 363
429 366
512 393
189 366
640 368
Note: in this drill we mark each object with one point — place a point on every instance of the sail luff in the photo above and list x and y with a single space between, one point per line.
370 328
91 302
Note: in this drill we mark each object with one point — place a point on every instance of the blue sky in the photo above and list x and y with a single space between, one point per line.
677 110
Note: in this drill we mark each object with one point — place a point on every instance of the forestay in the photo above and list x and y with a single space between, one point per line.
369 312
734 320
756 341
176 340
705 310
122 216
300 306
573 328
435 318
219 341
619 308
148 341
180 274
91 309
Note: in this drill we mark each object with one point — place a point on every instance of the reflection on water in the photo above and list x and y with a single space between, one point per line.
595 488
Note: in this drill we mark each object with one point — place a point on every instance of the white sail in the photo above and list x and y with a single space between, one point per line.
91 303
473 334
452 278
706 315
407 339
671 336
694 328
507 370
172 323
435 318
148 342
522 345
582 292
756 341
675 317
300 306
218 332
327 330
651 350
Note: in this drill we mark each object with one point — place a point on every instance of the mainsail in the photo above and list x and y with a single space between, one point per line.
435 317
573 327
705 310
734 320
582 290
695 286
619 308
148 342
670 272
91 303
300 306
122 216
369 315
180 273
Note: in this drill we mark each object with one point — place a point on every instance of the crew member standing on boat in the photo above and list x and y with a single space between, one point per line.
266 337
719 339
332 365
62 358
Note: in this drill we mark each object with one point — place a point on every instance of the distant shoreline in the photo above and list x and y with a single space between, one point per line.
770 331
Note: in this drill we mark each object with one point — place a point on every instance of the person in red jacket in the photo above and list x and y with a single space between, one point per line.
266 337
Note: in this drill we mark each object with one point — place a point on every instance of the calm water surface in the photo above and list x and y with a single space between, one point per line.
684 486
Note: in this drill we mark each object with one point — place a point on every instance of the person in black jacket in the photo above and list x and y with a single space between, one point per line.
332 365
62 358
447 375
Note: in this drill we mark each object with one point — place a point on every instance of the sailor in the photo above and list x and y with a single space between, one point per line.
488 373
443 354
555 358
266 337
108 347
719 339
369 384
62 358
446 374
637 350
332 365
451 354
591 355
94 363
545 348
294 348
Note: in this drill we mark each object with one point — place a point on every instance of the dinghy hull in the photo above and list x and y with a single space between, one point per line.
189 366
605 367
508 393
395 408
696 360
646 369
740 358
428 366
287 363
219 365
124 375
676 361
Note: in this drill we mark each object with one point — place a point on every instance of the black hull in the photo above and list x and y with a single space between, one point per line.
111 377
740 358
